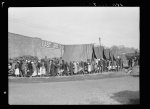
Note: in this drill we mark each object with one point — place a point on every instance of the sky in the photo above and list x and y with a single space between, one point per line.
78 25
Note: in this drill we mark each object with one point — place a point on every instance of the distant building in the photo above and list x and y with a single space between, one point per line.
19 45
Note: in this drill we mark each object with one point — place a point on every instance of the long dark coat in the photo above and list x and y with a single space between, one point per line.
71 68
30 69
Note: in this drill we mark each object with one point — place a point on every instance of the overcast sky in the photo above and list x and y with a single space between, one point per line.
78 25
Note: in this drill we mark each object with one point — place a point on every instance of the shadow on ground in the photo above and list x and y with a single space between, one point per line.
127 97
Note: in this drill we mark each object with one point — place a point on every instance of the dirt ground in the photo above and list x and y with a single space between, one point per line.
116 90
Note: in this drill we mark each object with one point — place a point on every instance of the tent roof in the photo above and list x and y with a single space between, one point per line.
78 52
99 52
106 52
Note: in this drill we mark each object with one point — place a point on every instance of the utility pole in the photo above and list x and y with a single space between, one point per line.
100 41
99 44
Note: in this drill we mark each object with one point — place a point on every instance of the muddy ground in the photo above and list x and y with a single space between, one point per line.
108 88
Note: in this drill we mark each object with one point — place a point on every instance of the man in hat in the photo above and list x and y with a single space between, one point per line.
103 63
38 67
66 69
30 68
71 68
24 69
20 68
52 68
117 63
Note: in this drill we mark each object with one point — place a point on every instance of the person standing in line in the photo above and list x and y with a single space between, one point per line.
89 67
103 61
65 69
20 70
47 67
117 66
17 69
55 69
75 68
52 68
42 70
38 67
13 67
34 69
23 67
49 70
107 64
101 65
30 68
71 68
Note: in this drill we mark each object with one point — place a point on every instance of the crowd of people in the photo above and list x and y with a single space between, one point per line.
58 67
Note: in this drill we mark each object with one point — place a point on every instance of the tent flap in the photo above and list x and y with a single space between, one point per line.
78 53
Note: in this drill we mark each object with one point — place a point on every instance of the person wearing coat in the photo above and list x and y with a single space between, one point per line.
34 69
13 67
17 70
89 67
30 69
71 68
24 69
104 65
52 68
42 70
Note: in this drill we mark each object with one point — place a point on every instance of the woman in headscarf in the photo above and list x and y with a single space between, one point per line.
34 69
24 68
17 70
75 68
42 69
89 67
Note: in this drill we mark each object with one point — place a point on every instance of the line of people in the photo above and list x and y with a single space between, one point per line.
57 67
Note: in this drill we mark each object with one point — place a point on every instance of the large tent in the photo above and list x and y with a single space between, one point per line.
78 53
99 52
107 53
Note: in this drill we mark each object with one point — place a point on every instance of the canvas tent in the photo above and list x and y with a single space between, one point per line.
19 45
78 53
99 52
107 53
